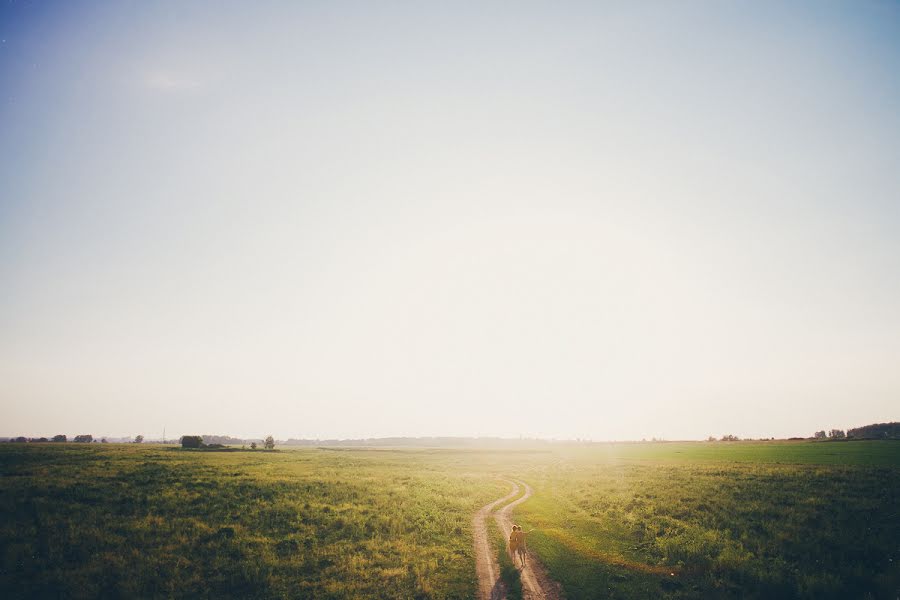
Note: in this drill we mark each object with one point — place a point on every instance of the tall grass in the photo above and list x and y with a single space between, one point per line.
756 520
125 521
668 527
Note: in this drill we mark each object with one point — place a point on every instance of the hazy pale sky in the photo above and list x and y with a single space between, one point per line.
599 220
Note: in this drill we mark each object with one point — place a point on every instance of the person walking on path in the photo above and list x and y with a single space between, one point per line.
521 546
514 541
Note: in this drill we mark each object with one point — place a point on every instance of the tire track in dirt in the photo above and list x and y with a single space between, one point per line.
486 568
536 584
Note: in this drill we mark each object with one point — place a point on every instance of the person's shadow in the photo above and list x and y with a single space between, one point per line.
499 590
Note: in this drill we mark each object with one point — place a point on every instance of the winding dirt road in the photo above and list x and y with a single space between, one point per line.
535 582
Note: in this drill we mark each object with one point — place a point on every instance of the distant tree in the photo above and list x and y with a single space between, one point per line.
837 434
191 441
253 445
21 439
730 438
711 438
103 441
84 439
60 438
876 431
41 440
270 443
819 435
138 439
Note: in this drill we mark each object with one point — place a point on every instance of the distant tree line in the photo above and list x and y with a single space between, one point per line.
199 441
877 431
225 440
22 439
78 439
192 441
834 434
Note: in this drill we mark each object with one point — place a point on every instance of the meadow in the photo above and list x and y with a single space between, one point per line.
88 521
670 520
748 520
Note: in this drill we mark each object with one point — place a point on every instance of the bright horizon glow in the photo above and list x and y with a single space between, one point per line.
605 222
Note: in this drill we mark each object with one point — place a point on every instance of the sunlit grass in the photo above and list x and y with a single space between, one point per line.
157 522
763 520
671 520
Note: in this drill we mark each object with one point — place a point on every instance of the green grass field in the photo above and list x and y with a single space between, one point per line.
676 520
131 521
723 520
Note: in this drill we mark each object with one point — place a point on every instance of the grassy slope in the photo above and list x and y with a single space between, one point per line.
738 520
89 521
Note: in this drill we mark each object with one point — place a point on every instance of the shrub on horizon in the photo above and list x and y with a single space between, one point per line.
191 441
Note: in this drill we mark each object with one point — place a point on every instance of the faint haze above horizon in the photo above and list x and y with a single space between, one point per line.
606 221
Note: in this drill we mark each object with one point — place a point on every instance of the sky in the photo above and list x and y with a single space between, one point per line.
597 220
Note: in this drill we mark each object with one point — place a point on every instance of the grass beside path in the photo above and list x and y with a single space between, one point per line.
727 527
143 521
731 520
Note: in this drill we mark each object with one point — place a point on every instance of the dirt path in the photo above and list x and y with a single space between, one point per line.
489 585
535 582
